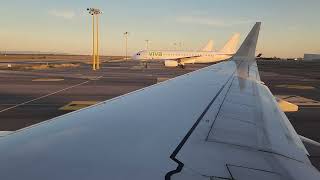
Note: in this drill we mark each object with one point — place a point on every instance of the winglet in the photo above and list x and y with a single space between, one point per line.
249 45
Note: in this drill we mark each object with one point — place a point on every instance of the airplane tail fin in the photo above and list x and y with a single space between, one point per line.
230 47
209 46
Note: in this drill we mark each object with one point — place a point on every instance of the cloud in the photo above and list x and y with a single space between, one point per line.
203 20
66 14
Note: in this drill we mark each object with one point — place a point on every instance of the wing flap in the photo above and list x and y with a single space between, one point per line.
243 173
229 131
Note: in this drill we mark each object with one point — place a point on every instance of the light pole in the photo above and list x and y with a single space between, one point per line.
95 37
126 34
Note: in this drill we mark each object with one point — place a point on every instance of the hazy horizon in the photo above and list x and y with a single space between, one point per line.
289 27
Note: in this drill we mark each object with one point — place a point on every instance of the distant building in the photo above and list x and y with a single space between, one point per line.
311 57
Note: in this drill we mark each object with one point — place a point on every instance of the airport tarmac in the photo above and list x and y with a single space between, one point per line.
30 97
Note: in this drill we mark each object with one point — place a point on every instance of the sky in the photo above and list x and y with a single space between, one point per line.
290 27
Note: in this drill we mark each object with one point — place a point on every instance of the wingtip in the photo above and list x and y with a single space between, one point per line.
249 45
259 24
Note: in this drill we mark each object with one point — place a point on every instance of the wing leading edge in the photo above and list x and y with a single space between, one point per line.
219 122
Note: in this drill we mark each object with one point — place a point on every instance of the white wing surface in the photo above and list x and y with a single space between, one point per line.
219 122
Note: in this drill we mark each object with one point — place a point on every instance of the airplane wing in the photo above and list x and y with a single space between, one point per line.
187 59
220 122
4 133
180 61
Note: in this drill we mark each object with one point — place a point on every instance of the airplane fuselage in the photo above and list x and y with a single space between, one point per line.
194 56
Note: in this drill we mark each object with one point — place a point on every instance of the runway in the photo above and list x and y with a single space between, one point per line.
30 97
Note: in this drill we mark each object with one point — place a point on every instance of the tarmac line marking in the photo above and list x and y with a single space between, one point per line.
47 80
77 105
12 104
299 87
70 87
162 79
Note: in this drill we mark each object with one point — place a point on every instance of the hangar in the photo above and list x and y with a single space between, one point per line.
311 57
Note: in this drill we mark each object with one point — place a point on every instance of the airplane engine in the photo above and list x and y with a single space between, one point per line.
170 63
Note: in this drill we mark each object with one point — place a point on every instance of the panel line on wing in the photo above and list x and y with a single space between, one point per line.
184 140
243 173
220 107
224 99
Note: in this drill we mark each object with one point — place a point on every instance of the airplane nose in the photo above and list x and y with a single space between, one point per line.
134 57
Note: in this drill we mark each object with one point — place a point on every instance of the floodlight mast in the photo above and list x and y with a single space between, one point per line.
94 12
126 34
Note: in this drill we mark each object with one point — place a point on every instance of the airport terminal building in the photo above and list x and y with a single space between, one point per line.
311 57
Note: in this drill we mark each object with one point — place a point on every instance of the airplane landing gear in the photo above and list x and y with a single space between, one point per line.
182 66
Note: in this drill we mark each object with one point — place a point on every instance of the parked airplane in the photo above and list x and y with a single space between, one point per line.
181 58
220 122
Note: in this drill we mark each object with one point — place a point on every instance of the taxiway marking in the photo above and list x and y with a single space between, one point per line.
53 93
